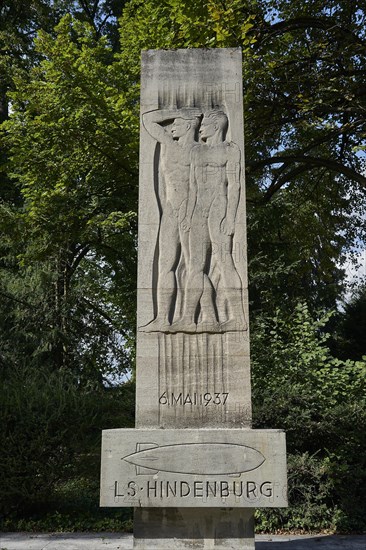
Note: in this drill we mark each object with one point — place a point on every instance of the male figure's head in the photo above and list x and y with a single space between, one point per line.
185 124
214 123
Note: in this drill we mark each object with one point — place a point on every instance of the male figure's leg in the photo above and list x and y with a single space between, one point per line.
230 279
199 246
169 253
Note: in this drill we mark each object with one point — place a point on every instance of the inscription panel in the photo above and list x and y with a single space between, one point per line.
197 381
193 468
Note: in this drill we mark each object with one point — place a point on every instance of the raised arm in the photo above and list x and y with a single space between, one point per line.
153 120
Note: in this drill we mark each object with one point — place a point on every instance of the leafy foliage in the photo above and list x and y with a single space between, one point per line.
320 401
50 432
68 203
350 339
66 139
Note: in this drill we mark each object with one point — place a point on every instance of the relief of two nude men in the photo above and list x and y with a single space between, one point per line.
199 183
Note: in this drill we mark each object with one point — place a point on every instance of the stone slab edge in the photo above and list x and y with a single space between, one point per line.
193 468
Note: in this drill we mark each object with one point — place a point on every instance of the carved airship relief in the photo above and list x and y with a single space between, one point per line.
195 458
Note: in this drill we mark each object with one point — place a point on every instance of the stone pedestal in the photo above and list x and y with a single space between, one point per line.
182 528
193 469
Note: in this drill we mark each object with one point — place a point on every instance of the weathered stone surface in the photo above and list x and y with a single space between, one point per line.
192 447
194 468
189 528
192 278
187 380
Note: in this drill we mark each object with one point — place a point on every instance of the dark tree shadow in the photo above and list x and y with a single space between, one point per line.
329 542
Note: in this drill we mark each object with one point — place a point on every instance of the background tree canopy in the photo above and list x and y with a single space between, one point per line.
69 113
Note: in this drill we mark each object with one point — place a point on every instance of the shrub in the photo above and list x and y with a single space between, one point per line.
319 401
50 432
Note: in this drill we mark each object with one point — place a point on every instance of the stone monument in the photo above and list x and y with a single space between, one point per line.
193 468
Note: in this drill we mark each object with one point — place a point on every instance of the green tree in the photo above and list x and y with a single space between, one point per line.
67 269
351 328
68 209
286 261
76 165
51 436
319 400
304 127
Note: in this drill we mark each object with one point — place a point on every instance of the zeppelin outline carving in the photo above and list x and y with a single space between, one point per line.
194 458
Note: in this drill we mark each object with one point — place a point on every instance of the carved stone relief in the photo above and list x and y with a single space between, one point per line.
194 468
192 458
198 177
192 354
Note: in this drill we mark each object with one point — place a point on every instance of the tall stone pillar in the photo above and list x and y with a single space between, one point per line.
193 468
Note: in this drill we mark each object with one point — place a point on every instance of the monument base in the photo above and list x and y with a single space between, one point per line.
178 528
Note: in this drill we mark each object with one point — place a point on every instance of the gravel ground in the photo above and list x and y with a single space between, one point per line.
117 541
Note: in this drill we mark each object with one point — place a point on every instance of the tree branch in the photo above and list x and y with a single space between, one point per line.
104 315
305 162
76 261
305 22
